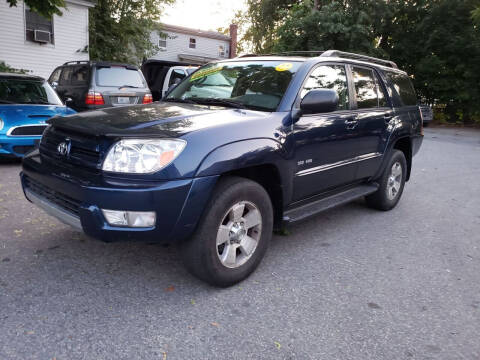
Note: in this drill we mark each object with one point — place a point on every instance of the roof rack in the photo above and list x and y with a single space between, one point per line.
77 62
330 53
288 53
343 54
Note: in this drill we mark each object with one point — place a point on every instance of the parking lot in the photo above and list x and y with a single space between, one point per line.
352 283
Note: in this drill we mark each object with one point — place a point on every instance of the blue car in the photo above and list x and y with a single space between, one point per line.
26 102
236 149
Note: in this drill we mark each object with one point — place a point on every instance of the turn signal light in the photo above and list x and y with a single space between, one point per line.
94 98
147 98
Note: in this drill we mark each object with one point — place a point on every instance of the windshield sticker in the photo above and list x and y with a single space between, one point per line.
207 72
283 67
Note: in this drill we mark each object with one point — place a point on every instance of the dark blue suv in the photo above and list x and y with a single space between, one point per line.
238 148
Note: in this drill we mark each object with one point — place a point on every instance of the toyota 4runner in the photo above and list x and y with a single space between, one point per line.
238 148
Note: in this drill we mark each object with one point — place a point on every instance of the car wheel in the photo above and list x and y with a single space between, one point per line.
233 234
391 182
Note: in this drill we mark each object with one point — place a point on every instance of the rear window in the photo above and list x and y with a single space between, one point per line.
403 87
118 76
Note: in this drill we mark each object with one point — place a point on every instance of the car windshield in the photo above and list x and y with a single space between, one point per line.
119 76
27 91
258 85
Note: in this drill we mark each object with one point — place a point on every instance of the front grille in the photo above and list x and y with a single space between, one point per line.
30 130
84 149
65 202
23 149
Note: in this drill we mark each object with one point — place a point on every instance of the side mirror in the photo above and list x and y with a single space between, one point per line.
171 87
54 85
319 101
68 101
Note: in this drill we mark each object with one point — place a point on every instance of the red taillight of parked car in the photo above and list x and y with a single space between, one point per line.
147 98
94 98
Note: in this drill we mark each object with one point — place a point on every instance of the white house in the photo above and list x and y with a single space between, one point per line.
183 44
32 42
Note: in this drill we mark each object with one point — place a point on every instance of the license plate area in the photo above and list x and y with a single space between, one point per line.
123 100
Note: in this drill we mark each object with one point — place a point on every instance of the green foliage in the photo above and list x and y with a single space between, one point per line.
436 41
120 29
7 68
46 8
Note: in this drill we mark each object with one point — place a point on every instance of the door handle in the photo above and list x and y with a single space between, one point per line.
351 122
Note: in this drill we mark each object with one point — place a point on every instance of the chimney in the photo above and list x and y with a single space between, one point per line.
233 40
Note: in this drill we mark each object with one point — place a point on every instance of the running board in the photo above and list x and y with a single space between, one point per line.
305 211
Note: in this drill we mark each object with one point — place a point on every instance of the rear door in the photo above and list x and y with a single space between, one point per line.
78 88
324 151
373 113
64 82
120 85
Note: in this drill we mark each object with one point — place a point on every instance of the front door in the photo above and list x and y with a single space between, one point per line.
324 155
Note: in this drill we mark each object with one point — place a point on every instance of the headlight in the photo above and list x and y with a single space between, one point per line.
1 123
141 156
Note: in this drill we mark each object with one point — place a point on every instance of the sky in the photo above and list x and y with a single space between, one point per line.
202 14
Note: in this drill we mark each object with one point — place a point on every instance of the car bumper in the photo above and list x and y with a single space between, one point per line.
17 146
178 204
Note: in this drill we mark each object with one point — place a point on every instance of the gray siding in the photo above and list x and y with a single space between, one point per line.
70 32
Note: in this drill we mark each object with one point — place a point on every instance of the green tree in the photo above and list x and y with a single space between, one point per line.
120 29
47 8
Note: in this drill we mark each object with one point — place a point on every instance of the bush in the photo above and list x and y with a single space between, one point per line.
7 68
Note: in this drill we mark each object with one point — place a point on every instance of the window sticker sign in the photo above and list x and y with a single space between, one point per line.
206 72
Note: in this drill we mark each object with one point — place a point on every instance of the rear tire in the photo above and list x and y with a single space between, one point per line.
391 182
233 233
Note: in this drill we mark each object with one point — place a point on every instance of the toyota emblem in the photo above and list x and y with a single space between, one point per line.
64 147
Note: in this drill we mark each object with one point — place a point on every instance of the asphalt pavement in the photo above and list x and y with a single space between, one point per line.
351 283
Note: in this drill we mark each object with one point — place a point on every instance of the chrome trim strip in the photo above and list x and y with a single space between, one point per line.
9 132
338 163
54 210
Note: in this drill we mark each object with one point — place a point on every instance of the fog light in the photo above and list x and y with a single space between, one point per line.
130 218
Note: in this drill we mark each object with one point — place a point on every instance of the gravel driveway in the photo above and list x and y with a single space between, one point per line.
352 283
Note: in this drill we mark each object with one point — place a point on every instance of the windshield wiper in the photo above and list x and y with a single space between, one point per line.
6 102
128 86
217 101
186 101
43 102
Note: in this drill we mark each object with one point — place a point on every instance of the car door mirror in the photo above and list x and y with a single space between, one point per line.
68 101
319 101
54 85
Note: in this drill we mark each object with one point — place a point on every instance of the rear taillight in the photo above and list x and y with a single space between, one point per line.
94 98
147 98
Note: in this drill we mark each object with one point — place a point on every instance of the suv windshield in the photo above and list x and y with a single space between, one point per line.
119 76
258 85
27 91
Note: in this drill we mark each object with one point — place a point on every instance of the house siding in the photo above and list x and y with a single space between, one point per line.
70 37
178 43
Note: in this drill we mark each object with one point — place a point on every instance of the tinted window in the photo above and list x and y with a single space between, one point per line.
20 91
119 76
80 75
55 76
403 86
365 88
66 76
176 77
329 77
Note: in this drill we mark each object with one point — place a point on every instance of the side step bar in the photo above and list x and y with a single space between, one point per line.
305 211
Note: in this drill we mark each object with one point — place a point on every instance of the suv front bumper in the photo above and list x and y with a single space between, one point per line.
178 204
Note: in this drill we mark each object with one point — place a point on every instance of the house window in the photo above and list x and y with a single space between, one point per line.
43 26
193 43
221 50
162 41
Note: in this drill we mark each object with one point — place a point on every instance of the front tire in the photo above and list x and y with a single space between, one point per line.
391 182
233 234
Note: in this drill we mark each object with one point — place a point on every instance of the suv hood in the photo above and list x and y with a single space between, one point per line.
164 119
